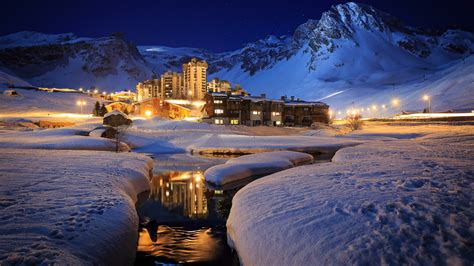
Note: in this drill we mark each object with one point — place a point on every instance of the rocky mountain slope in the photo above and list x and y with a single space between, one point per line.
353 53
63 60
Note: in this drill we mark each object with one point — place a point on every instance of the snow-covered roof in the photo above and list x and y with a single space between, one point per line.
115 112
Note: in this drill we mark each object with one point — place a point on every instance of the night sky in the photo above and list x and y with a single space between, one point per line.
214 25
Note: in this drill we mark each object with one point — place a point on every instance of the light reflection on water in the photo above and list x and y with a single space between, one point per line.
180 222
181 191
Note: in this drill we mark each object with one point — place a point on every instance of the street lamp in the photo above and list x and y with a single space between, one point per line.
428 98
81 103
395 102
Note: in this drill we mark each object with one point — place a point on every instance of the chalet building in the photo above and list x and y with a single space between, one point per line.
299 113
225 108
158 107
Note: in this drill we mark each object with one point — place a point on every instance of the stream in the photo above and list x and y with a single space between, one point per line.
182 221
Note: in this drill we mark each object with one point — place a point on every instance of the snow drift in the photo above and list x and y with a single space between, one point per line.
255 165
383 202
69 207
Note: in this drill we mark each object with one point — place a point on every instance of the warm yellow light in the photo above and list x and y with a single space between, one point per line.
339 112
374 107
148 113
103 93
79 102
330 113
80 89
384 106
395 101
426 97
96 91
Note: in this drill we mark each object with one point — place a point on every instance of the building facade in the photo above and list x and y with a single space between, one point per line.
228 109
171 85
148 89
195 79
218 85
159 107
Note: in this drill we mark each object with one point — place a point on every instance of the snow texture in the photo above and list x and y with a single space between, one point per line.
69 207
255 165
57 139
383 202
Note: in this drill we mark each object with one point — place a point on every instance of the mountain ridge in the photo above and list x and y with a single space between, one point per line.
351 45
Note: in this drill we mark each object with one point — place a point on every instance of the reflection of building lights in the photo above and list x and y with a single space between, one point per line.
197 185
197 178
161 182
167 193
190 186
148 113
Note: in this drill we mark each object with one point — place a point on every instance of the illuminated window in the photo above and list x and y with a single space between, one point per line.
218 121
255 112
234 122
275 113
217 101
278 123
219 111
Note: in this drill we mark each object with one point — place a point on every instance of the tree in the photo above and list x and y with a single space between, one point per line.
96 110
355 121
102 110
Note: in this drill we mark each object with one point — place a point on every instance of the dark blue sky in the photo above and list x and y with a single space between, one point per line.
214 25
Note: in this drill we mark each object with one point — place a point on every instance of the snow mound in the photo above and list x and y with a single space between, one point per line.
384 202
69 207
57 139
259 164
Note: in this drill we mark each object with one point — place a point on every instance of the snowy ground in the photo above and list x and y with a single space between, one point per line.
69 207
392 200
252 165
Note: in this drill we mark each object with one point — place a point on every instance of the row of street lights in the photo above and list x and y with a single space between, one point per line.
395 103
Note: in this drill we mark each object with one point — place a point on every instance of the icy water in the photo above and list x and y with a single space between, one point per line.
181 220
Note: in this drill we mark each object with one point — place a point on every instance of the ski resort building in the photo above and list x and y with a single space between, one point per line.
227 109
162 108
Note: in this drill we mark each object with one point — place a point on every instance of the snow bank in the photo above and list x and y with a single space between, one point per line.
383 202
69 207
58 139
230 143
255 165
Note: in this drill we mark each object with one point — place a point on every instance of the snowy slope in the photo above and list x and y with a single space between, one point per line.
35 103
384 202
69 207
64 60
8 79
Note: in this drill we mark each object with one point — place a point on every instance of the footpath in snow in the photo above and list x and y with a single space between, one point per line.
382 202
253 165
69 207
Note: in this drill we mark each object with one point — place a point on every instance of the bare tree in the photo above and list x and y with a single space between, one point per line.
355 121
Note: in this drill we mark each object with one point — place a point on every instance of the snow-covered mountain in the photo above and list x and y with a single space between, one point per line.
353 53
63 60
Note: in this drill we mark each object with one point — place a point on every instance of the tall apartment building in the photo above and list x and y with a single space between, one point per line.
195 79
172 86
148 89
218 85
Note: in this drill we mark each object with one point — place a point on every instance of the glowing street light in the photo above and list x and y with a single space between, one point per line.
148 113
395 102
384 106
374 107
104 93
428 98
81 103
96 91
80 89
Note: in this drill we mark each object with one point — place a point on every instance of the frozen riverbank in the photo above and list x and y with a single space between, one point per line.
254 165
69 207
382 202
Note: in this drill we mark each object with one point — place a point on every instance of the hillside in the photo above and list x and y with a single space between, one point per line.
353 53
